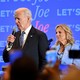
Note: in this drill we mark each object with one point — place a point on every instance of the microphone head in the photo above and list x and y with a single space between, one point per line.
14 31
50 40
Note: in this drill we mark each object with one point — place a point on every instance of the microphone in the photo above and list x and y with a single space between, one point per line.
50 40
13 33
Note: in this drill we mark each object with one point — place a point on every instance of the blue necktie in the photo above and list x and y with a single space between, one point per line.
22 39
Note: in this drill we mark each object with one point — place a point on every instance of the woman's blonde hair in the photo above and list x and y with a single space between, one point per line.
68 32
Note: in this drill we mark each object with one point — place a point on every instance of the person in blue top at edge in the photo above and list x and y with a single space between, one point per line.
64 43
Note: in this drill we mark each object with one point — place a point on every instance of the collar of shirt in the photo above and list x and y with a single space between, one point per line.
28 29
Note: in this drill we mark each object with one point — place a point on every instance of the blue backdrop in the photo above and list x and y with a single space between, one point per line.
46 15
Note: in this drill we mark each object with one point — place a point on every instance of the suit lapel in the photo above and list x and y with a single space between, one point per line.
30 36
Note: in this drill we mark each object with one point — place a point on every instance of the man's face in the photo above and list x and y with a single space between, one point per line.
60 34
21 20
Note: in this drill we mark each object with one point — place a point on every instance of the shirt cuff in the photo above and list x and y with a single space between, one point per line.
8 48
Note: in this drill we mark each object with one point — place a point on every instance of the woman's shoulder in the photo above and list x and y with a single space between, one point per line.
75 46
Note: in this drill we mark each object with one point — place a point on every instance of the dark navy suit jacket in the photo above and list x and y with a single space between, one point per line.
35 46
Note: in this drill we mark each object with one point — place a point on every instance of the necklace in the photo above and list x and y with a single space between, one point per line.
60 55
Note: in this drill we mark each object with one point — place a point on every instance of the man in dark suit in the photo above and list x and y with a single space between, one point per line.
35 42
